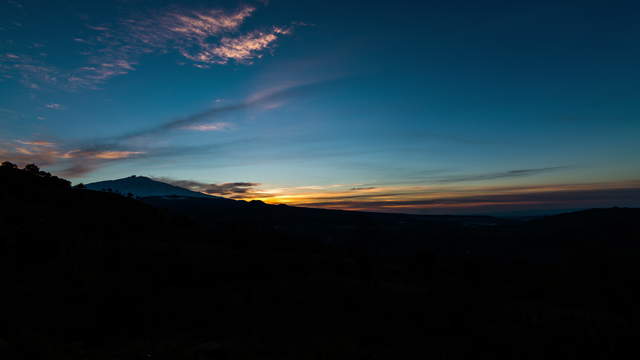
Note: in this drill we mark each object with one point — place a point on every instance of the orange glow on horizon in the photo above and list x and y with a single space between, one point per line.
408 197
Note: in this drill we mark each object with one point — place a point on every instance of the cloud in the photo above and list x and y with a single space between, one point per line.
78 159
25 152
318 187
201 121
208 127
98 28
562 199
67 162
36 143
193 25
54 106
77 169
234 190
497 175
32 72
461 200
242 49
105 155
204 36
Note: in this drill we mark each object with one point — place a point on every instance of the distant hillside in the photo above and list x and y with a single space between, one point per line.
142 186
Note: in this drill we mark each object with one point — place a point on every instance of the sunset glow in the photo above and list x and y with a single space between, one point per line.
373 107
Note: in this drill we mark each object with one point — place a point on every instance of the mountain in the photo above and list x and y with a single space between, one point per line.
142 186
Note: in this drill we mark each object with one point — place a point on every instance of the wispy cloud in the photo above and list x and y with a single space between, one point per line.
234 190
98 28
462 199
189 32
73 159
54 106
218 126
70 162
201 121
36 143
318 187
197 26
526 200
206 37
32 72
203 36
242 49
103 155
497 175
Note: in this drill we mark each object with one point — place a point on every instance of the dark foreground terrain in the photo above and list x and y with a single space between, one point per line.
94 275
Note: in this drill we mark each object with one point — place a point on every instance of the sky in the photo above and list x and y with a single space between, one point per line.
430 107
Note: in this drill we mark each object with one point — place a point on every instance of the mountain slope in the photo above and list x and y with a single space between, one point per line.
142 186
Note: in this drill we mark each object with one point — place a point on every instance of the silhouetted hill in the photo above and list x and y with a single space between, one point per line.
95 275
611 220
375 232
142 186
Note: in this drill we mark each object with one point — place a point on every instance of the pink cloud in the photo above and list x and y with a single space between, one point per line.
206 37
36 143
204 24
115 154
208 127
69 162
243 48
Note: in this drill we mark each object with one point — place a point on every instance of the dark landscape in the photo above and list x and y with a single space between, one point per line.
319 180
100 275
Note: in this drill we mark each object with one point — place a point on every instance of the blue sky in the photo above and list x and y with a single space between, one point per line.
431 107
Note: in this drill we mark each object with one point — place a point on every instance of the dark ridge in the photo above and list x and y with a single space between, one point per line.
97 275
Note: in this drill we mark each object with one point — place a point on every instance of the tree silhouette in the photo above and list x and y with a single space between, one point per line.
9 165
32 168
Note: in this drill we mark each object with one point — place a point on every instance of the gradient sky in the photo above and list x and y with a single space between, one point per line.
463 107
